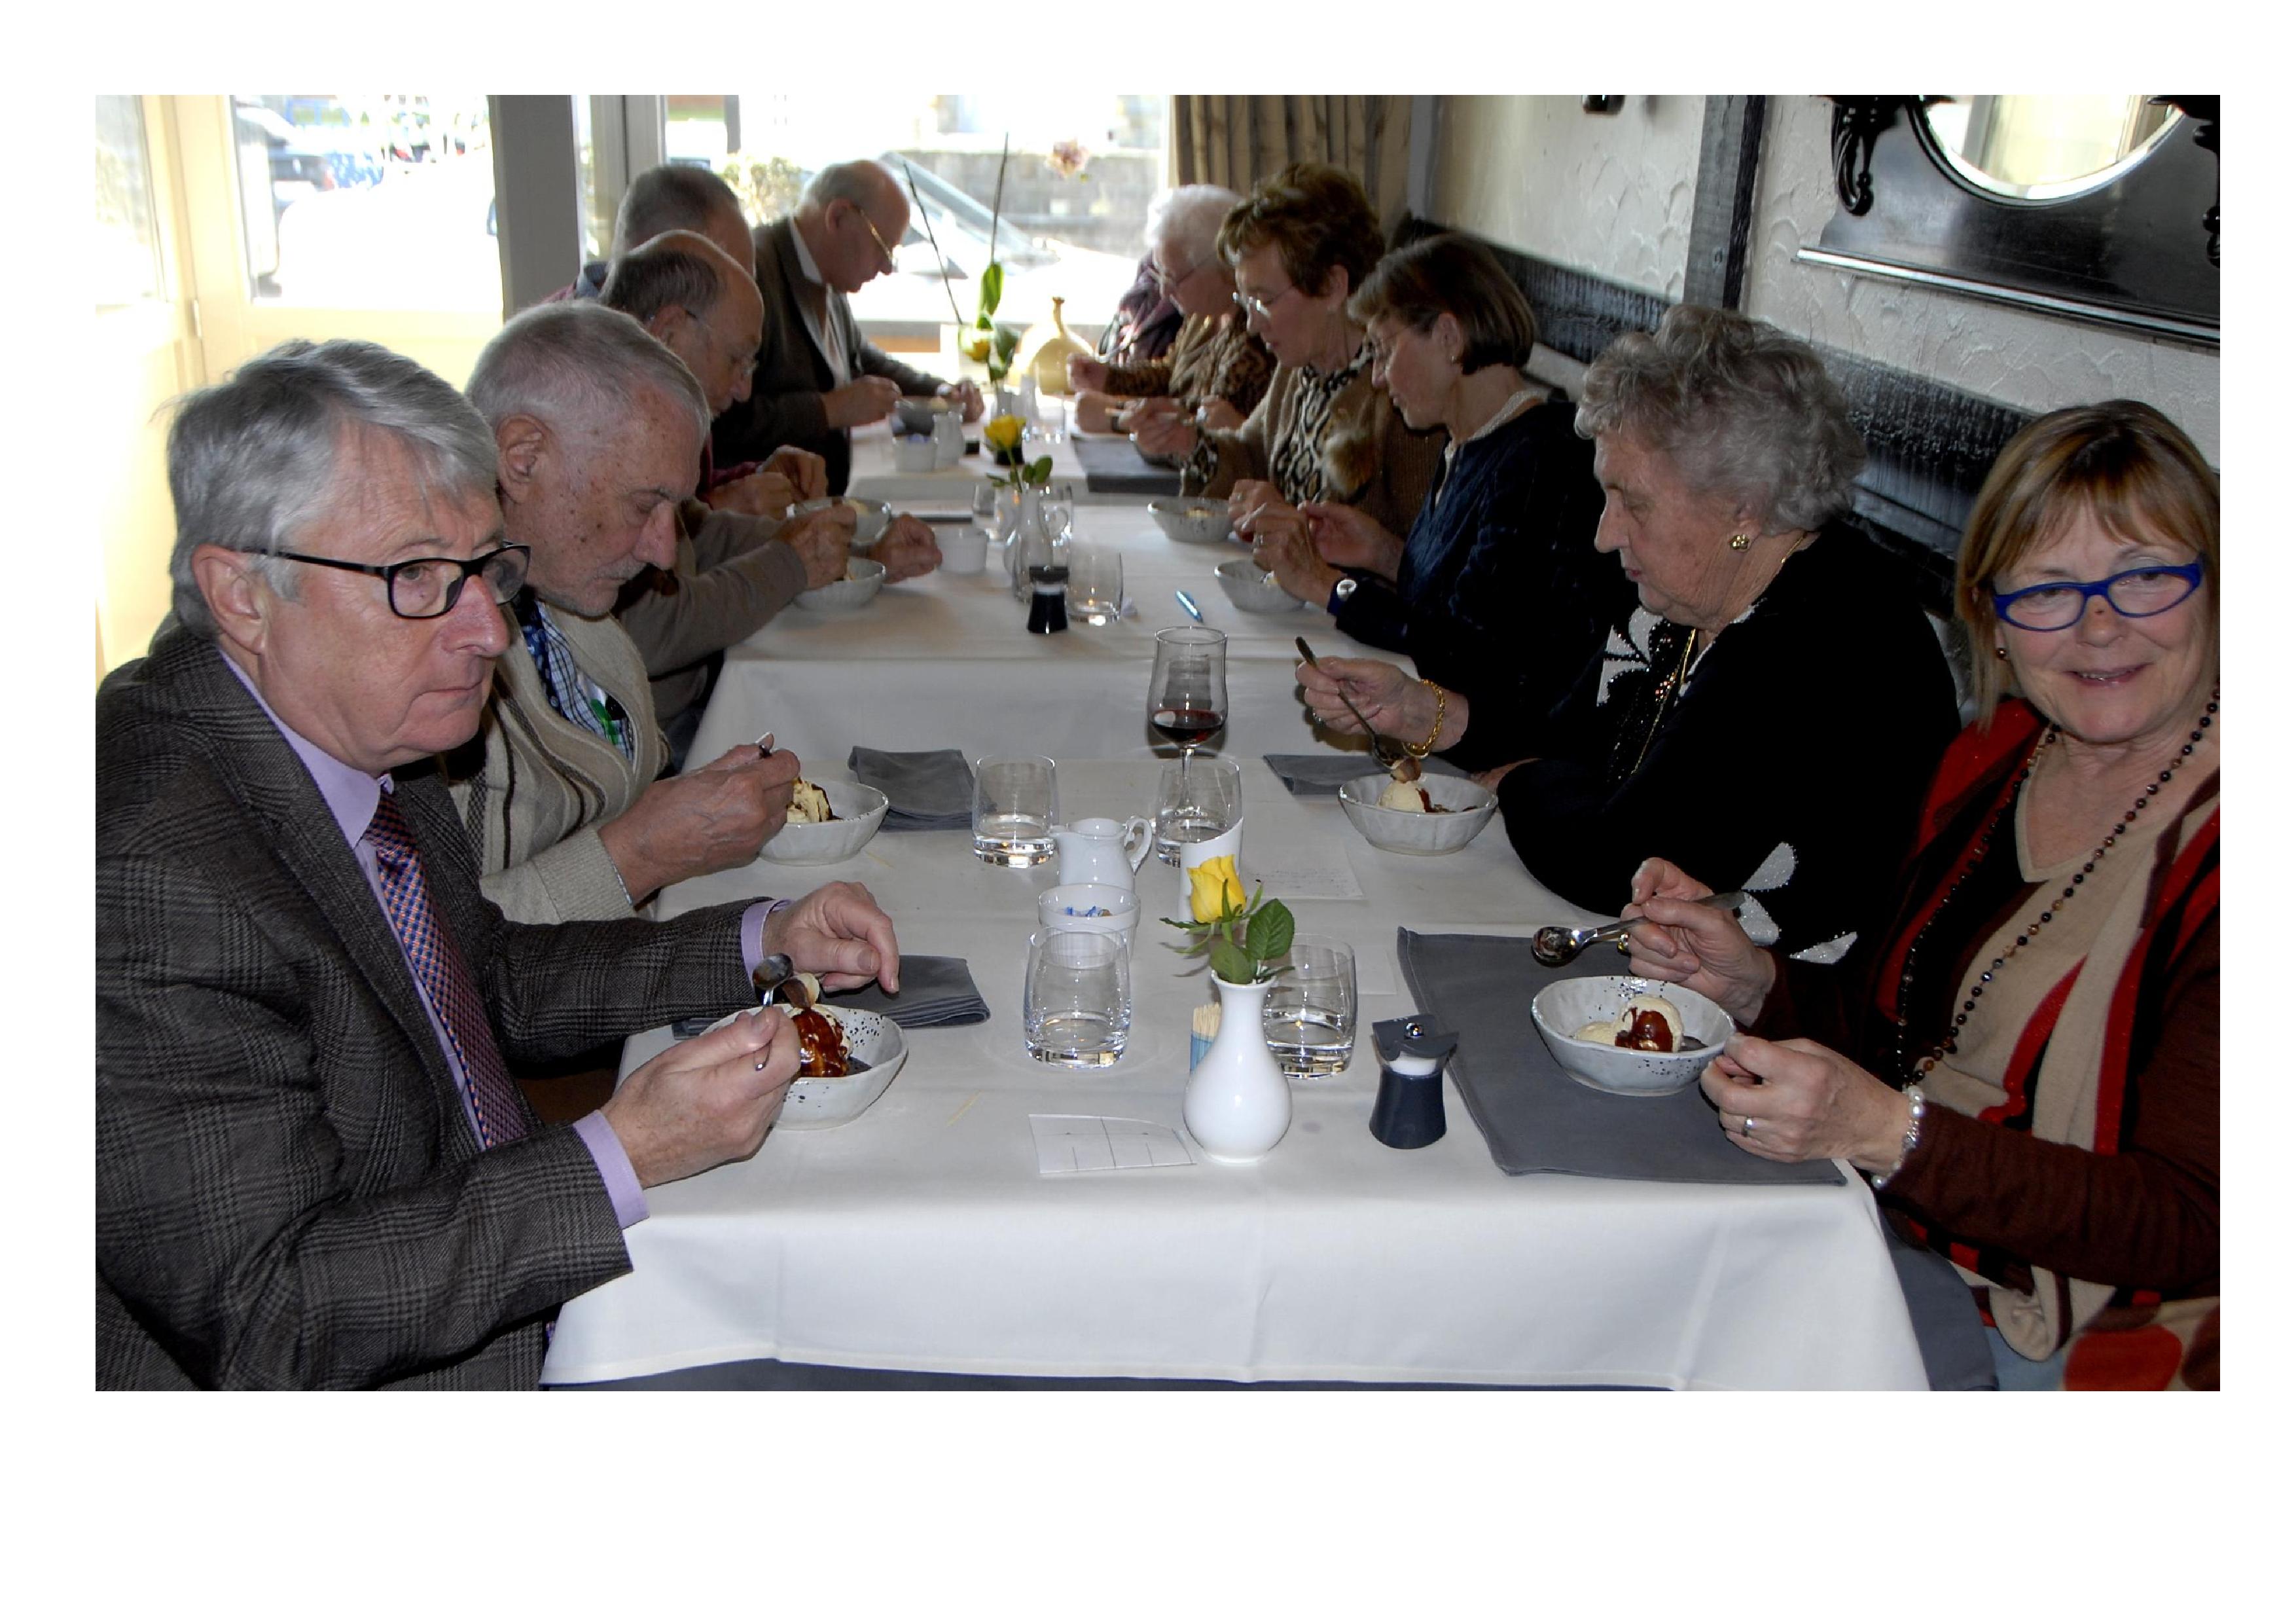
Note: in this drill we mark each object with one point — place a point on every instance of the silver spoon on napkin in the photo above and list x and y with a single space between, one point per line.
1554 946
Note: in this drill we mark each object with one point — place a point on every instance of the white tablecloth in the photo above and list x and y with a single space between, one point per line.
947 662
921 1237
950 490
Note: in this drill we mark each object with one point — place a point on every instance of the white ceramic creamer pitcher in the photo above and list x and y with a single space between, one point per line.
1102 850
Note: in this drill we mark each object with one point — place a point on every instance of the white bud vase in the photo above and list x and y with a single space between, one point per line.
1238 1106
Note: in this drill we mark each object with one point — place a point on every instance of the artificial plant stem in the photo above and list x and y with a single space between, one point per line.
997 207
935 242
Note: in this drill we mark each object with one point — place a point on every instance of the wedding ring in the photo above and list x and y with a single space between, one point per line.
1747 1129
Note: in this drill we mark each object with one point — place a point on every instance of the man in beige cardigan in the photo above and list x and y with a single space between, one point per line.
598 435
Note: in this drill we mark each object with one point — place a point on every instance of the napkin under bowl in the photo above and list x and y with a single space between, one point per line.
858 811
1198 520
1563 1006
1467 805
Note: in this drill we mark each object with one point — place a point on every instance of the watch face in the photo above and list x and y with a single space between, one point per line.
1345 589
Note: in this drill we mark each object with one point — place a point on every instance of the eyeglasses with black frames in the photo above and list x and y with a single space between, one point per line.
2134 593
423 589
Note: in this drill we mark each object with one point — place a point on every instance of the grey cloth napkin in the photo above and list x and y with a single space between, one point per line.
929 788
1533 1116
1321 776
934 991
1115 467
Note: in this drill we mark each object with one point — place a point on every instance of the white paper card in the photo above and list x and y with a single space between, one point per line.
1105 1143
1306 870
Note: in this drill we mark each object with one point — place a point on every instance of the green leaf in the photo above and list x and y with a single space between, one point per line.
1268 935
1040 470
1231 963
992 290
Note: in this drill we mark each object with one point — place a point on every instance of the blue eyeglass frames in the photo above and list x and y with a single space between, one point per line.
2136 594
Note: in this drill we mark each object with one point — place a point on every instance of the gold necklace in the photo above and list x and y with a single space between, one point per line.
1664 695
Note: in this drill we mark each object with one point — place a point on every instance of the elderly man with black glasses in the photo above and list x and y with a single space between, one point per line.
312 1166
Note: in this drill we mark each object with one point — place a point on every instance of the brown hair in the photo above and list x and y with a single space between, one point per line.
1453 276
1316 216
2120 461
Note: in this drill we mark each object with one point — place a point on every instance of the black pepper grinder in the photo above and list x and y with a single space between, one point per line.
1048 598
1409 1112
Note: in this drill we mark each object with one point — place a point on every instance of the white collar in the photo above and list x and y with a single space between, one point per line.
805 264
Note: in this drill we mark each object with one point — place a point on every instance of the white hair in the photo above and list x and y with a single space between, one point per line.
1186 221
580 369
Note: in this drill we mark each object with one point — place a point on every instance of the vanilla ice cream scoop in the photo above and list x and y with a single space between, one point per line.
808 804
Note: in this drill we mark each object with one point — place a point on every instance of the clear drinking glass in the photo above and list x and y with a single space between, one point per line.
1016 799
1309 1017
985 516
1076 1003
1060 509
1096 584
1208 801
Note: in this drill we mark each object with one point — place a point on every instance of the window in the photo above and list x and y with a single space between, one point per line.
126 235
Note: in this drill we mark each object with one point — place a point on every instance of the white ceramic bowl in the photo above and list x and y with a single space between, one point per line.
1467 806
863 577
913 453
869 517
871 1040
1196 519
1062 907
915 415
1566 1005
859 810
1253 589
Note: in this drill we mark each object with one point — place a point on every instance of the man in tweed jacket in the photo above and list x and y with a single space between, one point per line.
291 1189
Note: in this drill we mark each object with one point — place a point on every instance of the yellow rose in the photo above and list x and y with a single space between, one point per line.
1003 432
1214 888
975 348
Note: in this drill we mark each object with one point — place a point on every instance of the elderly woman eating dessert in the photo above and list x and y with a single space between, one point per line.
1216 369
1777 700
1498 593
1299 246
2025 1060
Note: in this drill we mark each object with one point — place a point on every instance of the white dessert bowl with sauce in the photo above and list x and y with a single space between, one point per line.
873 1046
857 809
1465 806
1565 1007
863 579
1196 520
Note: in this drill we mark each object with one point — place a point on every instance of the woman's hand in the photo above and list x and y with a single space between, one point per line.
1095 413
1280 545
1251 499
1218 413
1397 704
1352 539
1086 373
1160 428
1798 1101
1702 947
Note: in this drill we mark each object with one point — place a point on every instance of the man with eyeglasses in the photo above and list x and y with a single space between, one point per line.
818 378
312 1166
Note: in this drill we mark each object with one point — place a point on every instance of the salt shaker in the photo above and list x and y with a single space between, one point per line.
1409 1112
1048 598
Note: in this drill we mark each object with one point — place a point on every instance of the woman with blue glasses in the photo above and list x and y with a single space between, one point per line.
2026 1062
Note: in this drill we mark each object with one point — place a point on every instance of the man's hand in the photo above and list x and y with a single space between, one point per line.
805 471
707 1101
1353 538
714 817
867 399
966 394
840 933
907 548
765 494
1160 428
824 539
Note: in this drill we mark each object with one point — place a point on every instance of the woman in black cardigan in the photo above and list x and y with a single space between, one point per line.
1497 594
1774 703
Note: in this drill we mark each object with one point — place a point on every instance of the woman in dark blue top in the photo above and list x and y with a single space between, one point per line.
1497 595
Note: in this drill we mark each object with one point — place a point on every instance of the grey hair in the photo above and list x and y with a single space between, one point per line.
1188 218
251 460
676 267
671 197
1740 408
580 370
860 181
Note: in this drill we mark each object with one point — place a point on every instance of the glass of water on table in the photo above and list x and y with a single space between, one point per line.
1016 799
1309 1017
1077 1004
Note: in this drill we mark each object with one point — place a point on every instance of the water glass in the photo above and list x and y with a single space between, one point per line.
1096 584
1016 799
1198 800
985 516
1077 1004
1309 1017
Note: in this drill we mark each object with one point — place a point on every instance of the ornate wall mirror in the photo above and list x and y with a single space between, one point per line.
2099 208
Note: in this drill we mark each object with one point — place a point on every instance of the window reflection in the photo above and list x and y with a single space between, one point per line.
127 240
2038 147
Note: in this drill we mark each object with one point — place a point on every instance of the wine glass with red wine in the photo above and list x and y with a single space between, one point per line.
1187 692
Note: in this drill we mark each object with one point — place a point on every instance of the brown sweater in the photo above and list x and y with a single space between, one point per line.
1215 358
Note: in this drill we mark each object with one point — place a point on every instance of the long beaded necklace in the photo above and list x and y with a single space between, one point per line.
1948 1042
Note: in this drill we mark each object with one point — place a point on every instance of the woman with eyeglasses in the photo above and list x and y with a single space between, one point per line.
1299 246
1216 370
2025 1060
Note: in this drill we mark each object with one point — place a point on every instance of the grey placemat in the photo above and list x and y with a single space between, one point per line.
1115 467
1532 1116
1321 775
927 790
934 991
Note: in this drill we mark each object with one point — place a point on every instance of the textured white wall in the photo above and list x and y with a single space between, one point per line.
1608 193
2020 357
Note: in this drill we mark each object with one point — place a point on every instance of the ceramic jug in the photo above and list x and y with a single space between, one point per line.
1102 850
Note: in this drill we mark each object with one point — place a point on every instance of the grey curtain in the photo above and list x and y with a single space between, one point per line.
1235 141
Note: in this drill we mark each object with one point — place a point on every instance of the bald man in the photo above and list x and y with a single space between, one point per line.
816 377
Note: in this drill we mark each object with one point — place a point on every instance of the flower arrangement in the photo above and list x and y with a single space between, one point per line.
1244 940
984 343
1002 435
1067 159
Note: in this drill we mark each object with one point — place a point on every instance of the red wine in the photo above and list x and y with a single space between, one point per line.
1187 726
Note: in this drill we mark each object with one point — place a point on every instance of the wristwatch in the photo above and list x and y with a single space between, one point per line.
1341 593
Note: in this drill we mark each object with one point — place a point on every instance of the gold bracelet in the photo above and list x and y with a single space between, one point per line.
1419 751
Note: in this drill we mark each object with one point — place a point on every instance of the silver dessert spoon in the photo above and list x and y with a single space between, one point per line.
1554 945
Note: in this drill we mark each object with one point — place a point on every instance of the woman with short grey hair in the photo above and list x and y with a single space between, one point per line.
1216 369
1775 703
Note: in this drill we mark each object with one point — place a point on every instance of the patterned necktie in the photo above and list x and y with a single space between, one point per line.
454 995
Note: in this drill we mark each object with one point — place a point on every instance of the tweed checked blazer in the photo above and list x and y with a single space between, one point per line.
288 1191
784 405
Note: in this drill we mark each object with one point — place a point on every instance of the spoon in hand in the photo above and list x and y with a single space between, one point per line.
1379 755
1554 946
